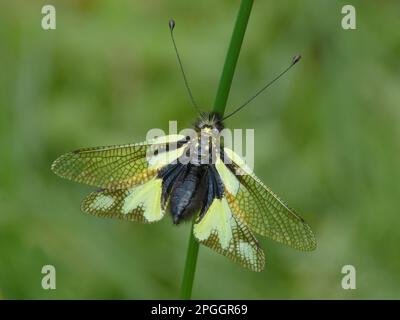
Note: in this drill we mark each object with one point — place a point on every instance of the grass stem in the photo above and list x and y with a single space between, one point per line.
219 106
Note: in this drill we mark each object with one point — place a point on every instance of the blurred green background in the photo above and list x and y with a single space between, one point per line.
327 141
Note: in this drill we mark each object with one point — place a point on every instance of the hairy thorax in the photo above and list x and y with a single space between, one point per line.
205 147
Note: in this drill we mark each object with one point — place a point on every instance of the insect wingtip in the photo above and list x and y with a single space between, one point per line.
57 165
53 166
312 243
261 267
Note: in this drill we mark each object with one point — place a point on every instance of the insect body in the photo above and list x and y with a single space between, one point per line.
188 176
194 186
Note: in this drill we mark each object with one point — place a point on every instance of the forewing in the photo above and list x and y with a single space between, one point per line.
265 213
120 166
221 231
141 203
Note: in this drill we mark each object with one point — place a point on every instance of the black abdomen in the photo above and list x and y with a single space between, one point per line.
189 189
188 193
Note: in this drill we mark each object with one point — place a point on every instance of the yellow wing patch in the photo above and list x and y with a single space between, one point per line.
218 220
164 158
230 181
146 196
140 203
221 231
102 201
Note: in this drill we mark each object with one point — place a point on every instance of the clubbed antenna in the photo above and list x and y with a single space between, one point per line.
294 61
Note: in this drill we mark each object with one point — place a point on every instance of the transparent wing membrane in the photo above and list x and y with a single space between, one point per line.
266 214
113 167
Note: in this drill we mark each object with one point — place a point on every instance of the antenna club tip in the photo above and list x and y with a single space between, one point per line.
296 59
171 24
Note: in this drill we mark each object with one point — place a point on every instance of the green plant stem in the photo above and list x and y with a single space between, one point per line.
219 106
190 265
232 56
